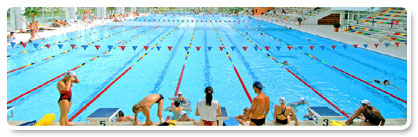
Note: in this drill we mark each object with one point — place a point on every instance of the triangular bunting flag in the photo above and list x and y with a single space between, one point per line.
397 44
355 45
146 47
323 47
84 46
109 47
72 46
60 46
169 48
97 47
365 45
267 48
122 47
221 48
12 44
48 45
333 47
289 47
158 48
255 48
300 47
233 48
278 47
345 46
198 48
375 45
387 44
186 48
245 48
209 48
134 47
23 44
312 46
34 45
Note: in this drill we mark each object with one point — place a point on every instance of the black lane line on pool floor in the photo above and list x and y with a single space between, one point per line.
115 80
62 53
55 78
115 74
296 76
232 63
206 71
334 67
250 70
164 72
342 55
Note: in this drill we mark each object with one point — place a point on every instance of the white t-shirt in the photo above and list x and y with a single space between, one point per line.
207 113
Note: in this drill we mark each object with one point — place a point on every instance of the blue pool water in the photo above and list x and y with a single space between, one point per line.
159 70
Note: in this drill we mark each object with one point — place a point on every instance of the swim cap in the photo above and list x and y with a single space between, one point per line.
282 100
301 99
366 102
70 73
258 85
182 113
180 93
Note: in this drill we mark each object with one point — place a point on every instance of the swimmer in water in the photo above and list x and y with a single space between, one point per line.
262 34
285 63
301 101
386 83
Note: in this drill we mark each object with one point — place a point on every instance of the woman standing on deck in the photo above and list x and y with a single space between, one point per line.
64 102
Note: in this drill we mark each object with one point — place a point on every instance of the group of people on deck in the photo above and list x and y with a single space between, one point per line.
209 109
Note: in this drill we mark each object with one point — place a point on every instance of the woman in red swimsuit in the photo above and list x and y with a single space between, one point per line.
64 102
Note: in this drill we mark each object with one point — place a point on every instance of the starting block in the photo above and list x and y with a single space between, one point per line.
322 115
104 116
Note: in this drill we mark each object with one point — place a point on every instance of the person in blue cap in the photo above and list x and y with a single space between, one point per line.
260 106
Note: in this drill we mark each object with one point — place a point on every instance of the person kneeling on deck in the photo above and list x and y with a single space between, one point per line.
260 106
208 109
282 113
123 118
145 104
370 115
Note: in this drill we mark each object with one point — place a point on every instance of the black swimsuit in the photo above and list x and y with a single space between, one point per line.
258 122
161 97
372 118
282 121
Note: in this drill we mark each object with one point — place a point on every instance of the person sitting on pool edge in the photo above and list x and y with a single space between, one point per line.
282 113
176 109
145 104
123 118
260 106
242 119
371 115
208 109
183 117
65 100
386 83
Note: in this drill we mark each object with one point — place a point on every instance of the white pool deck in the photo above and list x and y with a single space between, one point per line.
389 122
327 31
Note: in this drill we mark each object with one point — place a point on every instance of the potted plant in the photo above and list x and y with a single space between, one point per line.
300 21
336 26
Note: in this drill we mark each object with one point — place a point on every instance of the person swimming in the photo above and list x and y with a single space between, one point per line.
294 105
386 83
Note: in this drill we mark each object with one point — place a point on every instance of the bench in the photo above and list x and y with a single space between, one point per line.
104 116
322 115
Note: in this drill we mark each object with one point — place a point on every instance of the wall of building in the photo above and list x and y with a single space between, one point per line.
260 10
